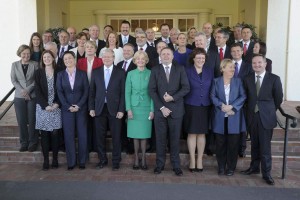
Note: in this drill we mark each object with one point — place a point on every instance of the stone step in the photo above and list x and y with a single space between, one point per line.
294 133
208 161
293 148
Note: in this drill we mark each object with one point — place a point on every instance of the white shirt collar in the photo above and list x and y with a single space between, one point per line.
109 67
144 47
261 76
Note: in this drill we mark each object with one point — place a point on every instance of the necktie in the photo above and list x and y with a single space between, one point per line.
221 54
245 49
124 65
167 41
152 44
125 40
236 69
107 77
257 91
62 52
141 49
168 73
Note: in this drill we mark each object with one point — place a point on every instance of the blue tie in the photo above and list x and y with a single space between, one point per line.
107 77
236 71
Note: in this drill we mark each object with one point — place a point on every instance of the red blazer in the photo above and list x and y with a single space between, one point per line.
82 63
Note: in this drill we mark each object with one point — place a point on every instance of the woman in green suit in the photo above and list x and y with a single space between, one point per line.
139 107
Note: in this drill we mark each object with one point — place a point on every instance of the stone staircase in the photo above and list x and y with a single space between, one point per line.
9 145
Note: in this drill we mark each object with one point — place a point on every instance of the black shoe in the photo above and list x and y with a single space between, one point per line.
269 180
32 148
54 164
101 164
22 149
250 171
221 172
178 171
199 170
135 167
45 166
116 167
209 153
229 173
192 170
158 170
70 168
242 154
144 167
82 166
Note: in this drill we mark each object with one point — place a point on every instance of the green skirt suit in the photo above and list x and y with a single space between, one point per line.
139 102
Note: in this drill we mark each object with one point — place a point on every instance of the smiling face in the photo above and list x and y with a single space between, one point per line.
165 31
25 55
128 52
236 53
90 49
112 39
108 58
94 32
199 60
181 40
246 34
48 59
228 70
63 38
256 48
166 56
81 41
259 64
36 41
125 28
106 31
140 61
200 41
69 60
141 39
220 40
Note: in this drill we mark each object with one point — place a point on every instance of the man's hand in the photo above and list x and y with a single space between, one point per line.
168 98
166 112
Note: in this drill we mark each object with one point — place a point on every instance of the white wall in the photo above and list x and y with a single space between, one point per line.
18 20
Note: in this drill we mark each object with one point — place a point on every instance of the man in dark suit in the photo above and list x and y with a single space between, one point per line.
107 105
142 45
63 46
222 49
165 32
94 32
264 96
248 45
124 37
150 37
242 69
159 46
127 65
167 86
208 30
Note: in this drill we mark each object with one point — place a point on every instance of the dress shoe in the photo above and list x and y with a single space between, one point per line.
82 166
135 167
269 180
45 166
209 152
221 172
250 171
178 171
144 167
199 170
192 170
116 167
101 164
32 148
70 168
54 164
229 173
22 149
158 170
242 154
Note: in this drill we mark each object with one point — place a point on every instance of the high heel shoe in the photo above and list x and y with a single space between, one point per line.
199 170
135 167
144 167
45 166
192 170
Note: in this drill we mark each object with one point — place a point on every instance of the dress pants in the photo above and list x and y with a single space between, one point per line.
260 146
227 147
25 113
72 122
115 125
162 126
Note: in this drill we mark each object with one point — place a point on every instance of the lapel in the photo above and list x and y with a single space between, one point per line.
20 69
66 79
163 76
222 91
263 84
112 75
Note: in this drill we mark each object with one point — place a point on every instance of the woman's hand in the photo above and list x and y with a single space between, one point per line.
151 115
129 114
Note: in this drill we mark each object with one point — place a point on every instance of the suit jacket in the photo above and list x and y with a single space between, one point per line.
131 66
68 96
169 45
178 86
268 100
41 88
213 61
82 63
60 61
101 44
245 70
131 40
199 87
237 97
151 51
115 92
248 57
21 82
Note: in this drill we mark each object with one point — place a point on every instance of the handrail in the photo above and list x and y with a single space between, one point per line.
3 100
286 129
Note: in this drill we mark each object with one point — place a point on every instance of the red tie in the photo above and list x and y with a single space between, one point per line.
245 49
221 54
141 49
124 65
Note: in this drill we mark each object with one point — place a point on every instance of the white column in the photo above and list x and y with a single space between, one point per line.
293 49
18 20
203 17
100 21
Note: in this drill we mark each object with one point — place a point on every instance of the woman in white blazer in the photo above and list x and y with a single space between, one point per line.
22 77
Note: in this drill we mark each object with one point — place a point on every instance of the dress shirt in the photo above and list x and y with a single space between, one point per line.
224 49
143 47
227 92
261 77
89 69
128 63
169 65
239 64
71 77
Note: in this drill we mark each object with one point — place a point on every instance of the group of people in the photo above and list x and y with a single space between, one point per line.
146 89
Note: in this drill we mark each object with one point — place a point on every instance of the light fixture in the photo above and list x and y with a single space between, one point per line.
155 28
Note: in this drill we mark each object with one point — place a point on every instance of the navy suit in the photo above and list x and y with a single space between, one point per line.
261 123
227 129
107 112
170 44
73 121
249 54
131 40
177 87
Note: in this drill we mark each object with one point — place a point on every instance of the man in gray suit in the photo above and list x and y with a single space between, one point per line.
167 86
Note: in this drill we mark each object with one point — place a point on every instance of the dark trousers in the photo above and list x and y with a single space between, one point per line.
227 146
91 135
243 142
25 113
50 139
260 146
162 125
73 122
101 131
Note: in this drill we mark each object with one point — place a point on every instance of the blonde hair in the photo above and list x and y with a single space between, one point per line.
224 63
138 54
